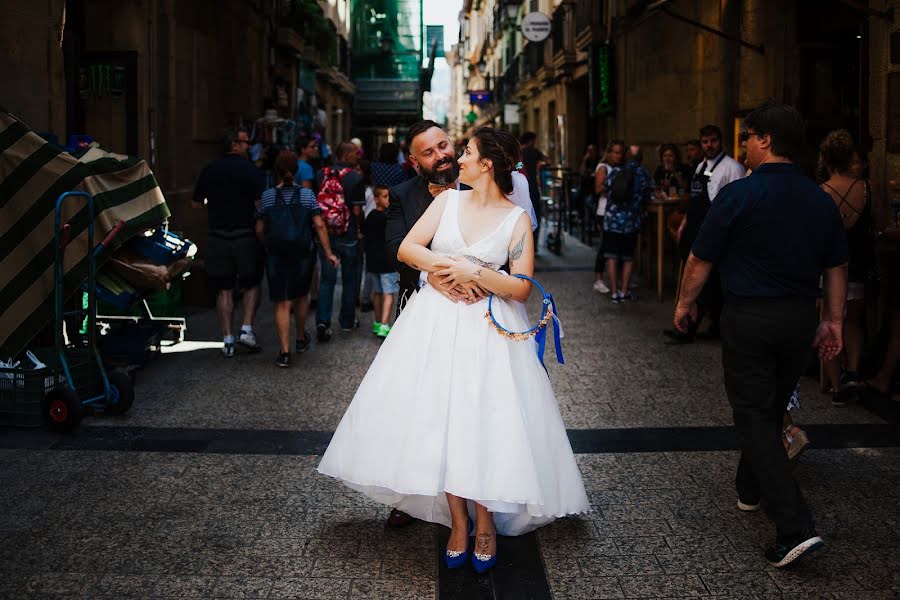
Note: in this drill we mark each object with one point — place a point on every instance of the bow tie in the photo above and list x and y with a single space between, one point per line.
435 189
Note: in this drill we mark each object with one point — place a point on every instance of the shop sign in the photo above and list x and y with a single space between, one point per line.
511 114
602 84
101 80
536 27
481 97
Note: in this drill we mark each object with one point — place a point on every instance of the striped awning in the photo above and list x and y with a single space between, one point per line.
33 173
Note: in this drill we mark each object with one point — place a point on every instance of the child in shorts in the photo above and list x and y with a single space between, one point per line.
385 282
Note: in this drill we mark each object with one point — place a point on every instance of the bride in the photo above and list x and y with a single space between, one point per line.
453 419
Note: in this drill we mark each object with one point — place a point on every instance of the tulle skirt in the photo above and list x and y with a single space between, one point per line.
450 405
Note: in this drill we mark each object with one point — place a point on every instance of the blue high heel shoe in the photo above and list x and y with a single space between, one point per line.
482 563
454 559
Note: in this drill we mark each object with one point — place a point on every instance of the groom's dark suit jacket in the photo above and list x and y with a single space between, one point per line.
408 202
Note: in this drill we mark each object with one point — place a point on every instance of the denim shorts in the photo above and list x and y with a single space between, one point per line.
385 283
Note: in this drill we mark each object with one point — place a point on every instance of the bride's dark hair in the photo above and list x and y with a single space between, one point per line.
504 150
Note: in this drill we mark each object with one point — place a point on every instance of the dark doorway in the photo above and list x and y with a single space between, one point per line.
832 90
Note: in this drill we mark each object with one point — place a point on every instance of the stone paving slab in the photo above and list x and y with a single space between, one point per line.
687 541
110 524
691 541
619 372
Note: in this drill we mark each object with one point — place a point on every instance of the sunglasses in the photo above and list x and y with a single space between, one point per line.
746 135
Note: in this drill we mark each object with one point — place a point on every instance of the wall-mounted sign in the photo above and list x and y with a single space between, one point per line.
602 95
511 114
536 27
481 97
99 80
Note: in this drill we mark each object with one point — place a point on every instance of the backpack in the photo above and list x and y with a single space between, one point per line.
335 212
622 189
288 230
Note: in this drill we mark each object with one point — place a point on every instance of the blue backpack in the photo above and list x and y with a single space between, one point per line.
288 226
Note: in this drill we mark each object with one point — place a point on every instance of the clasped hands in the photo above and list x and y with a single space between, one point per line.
454 279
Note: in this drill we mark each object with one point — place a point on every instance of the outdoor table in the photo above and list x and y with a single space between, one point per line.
659 208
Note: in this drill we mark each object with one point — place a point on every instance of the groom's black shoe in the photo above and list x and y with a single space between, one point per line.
398 518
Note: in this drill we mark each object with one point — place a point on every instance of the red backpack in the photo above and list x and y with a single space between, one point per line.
331 200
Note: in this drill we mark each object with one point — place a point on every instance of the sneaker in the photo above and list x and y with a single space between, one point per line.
228 350
849 380
247 339
383 330
283 360
323 332
845 396
617 297
784 552
747 506
302 346
376 327
352 327
599 286
629 297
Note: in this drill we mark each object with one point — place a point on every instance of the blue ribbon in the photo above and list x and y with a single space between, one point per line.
539 331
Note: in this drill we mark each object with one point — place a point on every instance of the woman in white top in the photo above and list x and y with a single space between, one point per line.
612 159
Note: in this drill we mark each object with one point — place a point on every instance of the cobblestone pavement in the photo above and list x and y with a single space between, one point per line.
207 489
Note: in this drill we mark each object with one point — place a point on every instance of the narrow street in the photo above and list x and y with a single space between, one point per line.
208 489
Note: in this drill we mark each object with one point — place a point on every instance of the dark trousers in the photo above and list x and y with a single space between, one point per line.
710 301
347 251
765 343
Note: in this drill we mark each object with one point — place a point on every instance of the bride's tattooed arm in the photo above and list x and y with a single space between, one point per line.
478 261
516 251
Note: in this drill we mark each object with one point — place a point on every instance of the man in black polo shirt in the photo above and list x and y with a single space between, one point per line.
229 187
772 235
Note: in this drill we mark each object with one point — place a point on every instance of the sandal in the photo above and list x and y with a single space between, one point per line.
797 442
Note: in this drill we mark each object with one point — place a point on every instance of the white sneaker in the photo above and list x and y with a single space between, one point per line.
248 340
599 286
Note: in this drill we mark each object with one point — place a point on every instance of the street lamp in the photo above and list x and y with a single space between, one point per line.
512 10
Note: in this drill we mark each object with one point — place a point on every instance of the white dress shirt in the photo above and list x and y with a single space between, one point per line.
726 171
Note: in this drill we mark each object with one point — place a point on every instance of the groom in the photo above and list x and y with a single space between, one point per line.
433 155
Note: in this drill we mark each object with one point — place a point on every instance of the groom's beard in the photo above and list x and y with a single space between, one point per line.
442 177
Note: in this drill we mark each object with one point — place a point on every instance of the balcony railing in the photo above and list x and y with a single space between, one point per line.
507 83
588 13
534 57
557 34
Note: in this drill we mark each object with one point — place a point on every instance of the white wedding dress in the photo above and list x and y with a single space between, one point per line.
449 404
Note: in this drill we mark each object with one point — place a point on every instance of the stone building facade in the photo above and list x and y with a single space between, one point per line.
160 79
672 66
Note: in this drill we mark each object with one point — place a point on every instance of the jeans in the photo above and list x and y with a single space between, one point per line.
765 344
347 251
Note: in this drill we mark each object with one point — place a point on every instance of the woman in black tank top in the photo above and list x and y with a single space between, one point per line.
838 156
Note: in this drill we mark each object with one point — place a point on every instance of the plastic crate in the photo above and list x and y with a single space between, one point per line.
22 391
162 248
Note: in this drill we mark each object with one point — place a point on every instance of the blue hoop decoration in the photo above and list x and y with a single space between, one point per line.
539 331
